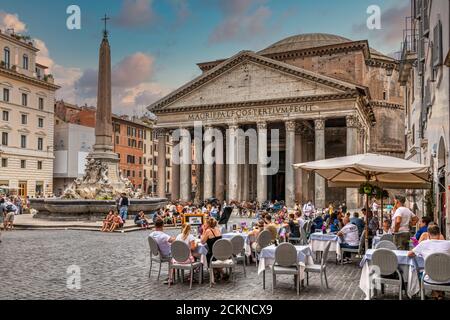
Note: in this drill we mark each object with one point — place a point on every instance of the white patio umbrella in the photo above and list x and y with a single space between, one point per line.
379 170
382 171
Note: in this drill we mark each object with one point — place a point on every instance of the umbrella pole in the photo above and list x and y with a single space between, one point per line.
367 222
381 214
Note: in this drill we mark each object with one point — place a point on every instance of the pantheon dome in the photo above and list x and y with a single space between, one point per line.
306 41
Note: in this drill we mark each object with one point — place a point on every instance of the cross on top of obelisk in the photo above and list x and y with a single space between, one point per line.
105 31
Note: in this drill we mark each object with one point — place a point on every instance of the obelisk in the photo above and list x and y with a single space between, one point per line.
103 148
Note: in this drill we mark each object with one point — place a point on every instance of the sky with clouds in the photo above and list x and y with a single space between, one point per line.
157 43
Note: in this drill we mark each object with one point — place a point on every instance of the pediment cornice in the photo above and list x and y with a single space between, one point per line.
248 56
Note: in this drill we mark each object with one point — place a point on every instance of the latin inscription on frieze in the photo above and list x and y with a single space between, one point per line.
251 112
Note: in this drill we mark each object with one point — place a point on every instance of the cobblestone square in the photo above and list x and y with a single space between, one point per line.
34 265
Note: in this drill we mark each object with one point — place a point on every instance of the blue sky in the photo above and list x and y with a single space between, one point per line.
168 37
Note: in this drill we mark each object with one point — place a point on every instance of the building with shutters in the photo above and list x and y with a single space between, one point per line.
27 96
425 75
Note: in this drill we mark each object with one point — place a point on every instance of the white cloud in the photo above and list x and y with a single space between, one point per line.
8 21
243 20
135 13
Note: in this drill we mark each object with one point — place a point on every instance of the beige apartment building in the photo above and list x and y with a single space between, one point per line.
425 75
26 119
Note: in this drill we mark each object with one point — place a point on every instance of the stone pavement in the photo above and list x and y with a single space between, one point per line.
34 265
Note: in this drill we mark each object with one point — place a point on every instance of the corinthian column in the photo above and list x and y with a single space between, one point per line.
352 149
233 167
161 135
261 167
185 166
290 157
319 126
208 166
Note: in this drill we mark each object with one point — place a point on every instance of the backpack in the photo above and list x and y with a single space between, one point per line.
10 208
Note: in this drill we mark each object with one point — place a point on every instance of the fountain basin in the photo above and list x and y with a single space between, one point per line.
90 210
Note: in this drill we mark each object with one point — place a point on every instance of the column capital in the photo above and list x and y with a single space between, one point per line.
290 125
160 132
351 121
261 125
233 126
319 124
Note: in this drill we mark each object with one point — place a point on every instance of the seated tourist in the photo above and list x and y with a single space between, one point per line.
117 222
333 223
426 235
346 219
140 220
108 221
272 228
163 240
357 221
387 226
318 223
211 234
423 226
187 237
434 244
253 235
299 218
293 226
350 239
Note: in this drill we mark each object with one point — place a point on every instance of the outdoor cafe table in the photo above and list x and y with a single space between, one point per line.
248 250
407 266
202 250
318 242
267 258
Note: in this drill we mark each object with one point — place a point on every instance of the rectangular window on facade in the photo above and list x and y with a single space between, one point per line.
140 174
40 122
117 140
5 115
140 160
24 99
134 173
145 148
4 162
39 165
128 173
6 95
23 164
5 138
41 104
23 141
40 144
24 119
25 62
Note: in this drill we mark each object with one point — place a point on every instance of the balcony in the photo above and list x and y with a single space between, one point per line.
409 53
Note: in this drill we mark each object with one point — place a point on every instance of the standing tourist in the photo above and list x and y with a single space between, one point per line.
9 210
124 202
402 220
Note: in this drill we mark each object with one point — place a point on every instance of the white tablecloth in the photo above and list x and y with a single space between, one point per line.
267 258
408 267
319 241
248 250
202 249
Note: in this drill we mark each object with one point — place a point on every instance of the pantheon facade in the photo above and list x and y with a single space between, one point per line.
328 96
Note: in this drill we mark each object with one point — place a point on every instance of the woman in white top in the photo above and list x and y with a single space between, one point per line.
187 237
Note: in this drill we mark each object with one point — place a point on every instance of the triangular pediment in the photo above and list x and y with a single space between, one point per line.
250 77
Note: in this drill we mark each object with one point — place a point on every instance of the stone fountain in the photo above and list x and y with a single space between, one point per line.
93 195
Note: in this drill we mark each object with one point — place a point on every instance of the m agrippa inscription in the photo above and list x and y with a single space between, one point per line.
251 112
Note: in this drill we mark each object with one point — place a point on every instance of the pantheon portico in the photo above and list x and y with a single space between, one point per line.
319 94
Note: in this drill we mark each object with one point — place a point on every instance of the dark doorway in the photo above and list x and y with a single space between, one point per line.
276 185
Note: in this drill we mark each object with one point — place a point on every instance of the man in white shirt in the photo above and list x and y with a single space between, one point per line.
163 240
428 247
401 221
350 239
308 209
